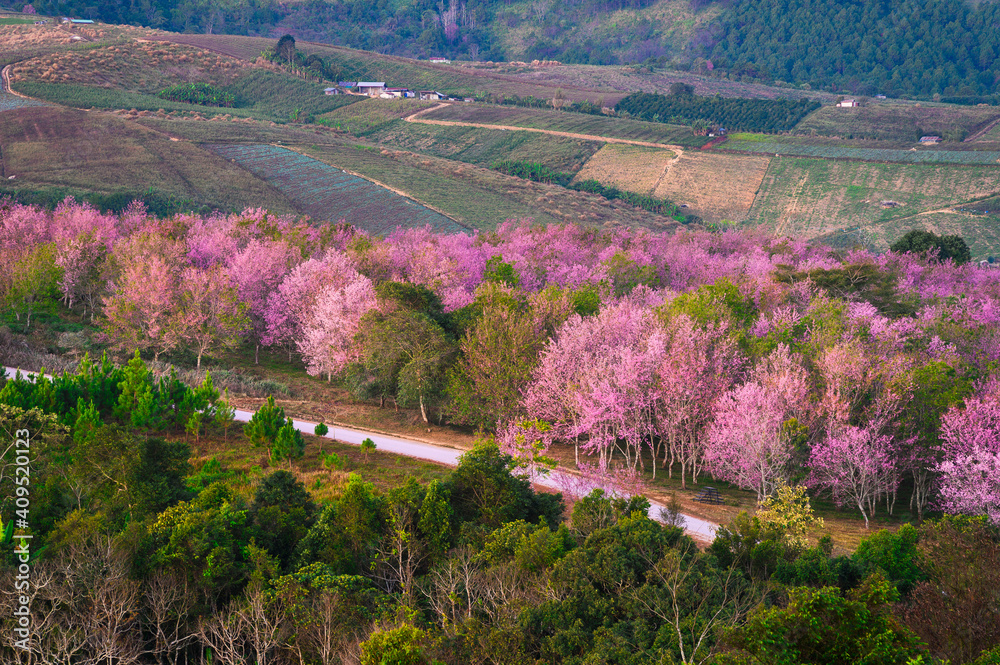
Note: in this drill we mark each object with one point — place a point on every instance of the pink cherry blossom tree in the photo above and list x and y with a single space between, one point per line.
970 483
856 466
138 312
327 342
208 315
256 271
746 444
699 365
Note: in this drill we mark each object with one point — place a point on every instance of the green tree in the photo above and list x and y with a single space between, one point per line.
286 48
949 247
435 518
281 514
289 444
33 277
824 626
396 646
265 424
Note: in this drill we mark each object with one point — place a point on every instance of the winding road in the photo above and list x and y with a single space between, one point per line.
698 528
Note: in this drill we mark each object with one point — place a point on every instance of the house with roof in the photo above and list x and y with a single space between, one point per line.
930 140
438 60
396 93
371 88
332 91
847 103
430 95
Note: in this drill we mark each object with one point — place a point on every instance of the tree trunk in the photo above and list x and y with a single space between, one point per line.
423 410
197 364
256 354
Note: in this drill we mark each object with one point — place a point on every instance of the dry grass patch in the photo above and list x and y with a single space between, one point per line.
714 186
140 66
630 167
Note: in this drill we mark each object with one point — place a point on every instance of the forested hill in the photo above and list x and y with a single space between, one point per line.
904 47
865 47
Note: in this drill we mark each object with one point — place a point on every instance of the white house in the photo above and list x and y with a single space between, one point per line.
847 103
371 88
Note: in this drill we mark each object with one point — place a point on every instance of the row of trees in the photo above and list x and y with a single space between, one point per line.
735 114
756 359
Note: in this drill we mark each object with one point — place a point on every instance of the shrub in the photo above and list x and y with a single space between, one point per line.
321 429
204 94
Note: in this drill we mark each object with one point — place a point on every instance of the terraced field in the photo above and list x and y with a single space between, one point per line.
327 193
757 143
813 198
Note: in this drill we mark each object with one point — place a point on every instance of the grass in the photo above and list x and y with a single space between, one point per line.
812 198
50 147
577 123
885 120
16 21
243 465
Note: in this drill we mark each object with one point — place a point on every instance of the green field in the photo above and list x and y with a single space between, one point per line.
576 123
893 121
484 147
813 198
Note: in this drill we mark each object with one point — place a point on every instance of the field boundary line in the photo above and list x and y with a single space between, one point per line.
400 192
573 135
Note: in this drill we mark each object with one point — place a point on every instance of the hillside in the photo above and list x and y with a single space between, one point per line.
917 48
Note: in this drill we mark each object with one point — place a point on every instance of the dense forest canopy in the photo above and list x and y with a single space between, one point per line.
913 47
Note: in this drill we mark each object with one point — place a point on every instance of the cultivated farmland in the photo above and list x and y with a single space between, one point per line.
487 146
630 167
368 115
893 121
758 143
9 102
483 198
327 193
50 147
810 198
714 186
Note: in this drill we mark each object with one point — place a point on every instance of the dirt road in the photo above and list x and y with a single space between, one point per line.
585 137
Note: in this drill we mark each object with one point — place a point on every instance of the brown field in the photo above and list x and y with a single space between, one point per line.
714 186
629 167
139 66
813 198
57 147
